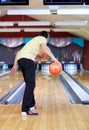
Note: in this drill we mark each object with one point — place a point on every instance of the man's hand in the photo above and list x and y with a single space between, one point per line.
13 69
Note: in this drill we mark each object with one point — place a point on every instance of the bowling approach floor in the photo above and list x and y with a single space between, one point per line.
55 110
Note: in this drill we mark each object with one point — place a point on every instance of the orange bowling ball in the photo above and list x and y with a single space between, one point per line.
55 68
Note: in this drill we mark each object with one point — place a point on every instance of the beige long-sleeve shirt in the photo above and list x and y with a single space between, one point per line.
32 48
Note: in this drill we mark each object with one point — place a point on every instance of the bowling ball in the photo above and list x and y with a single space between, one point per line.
55 68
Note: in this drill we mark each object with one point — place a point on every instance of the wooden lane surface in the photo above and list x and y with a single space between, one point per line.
8 82
49 91
55 111
58 117
83 78
1 72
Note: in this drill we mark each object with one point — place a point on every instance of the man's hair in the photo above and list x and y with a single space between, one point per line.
44 34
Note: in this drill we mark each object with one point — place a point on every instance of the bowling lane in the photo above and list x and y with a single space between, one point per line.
9 82
55 111
83 78
49 91
1 72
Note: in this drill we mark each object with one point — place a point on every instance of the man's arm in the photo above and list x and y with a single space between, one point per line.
14 68
47 50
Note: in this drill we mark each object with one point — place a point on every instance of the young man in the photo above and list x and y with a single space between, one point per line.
25 59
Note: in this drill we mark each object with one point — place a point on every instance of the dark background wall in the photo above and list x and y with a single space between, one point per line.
7 54
86 55
71 52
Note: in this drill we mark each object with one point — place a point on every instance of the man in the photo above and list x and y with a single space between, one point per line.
25 59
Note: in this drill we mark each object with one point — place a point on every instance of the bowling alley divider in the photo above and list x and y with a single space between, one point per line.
80 92
4 73
15 95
